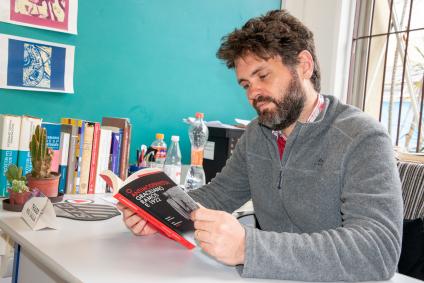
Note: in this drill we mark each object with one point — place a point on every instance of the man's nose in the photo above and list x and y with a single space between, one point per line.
253 92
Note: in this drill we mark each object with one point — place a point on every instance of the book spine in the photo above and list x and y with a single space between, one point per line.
103 159
153 221
53 141
63 165
28 125
115 152
123 164
9 144
128 149
94 159
86 157
77 172
72 159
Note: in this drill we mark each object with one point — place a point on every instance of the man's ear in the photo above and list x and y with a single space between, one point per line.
306 64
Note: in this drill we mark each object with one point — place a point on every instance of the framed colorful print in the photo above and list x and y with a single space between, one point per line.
30 64
57 15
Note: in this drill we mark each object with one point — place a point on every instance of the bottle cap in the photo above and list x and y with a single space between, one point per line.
175 138
200 115
160 136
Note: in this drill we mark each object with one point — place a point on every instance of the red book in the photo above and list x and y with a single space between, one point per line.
94 157
155 197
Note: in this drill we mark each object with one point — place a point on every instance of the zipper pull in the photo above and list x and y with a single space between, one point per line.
281 179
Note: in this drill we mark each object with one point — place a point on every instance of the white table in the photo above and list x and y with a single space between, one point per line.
105 251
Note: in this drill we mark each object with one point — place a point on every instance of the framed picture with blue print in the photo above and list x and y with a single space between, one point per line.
29 64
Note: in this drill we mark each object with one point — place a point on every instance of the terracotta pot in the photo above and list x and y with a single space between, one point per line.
18 198
48 186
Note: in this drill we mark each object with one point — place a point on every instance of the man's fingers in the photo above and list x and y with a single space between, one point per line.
138 227
128 213
120 206
133 220
149 229
204 214
203 225
203 236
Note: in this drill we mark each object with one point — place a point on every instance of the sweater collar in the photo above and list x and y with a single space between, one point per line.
329 108
316 111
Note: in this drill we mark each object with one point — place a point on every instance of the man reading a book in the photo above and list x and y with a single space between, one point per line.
321 174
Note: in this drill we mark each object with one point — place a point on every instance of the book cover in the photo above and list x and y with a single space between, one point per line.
125 125
9 143
103 159
86 157
115 152
53 141
65 138
72 155
78 153
28 125
94 158
156 198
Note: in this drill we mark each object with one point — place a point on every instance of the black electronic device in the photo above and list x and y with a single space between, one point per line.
220 146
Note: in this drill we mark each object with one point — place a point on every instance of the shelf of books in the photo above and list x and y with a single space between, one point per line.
82 149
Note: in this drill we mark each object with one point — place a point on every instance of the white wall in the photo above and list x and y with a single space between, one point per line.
331 21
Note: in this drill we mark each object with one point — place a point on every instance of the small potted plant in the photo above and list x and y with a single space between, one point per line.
19 192
41 157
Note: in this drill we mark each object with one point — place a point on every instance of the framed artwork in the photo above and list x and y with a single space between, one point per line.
57 15
29 64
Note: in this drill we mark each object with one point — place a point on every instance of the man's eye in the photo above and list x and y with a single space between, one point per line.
263 76
246 86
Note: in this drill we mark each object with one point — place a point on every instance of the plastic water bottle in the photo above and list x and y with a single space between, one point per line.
160 146
198 133
172 165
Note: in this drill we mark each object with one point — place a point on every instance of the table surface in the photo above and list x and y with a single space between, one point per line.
105 251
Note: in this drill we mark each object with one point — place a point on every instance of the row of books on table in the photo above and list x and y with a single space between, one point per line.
82 149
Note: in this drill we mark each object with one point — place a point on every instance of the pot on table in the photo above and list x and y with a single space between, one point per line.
48 186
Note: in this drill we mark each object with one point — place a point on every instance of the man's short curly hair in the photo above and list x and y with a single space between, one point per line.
276 33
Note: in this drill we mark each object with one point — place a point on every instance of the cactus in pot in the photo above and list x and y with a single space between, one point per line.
41 176
18 192
41 155
14 173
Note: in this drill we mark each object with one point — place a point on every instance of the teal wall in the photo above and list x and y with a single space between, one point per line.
150 60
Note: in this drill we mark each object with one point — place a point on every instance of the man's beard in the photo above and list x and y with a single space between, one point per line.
287 110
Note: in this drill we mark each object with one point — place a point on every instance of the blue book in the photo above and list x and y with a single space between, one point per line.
9 143
53 141
115 151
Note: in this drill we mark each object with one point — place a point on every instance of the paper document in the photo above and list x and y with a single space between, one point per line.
218 124
242 122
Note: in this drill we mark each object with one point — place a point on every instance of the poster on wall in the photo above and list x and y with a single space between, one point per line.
57 15
29 64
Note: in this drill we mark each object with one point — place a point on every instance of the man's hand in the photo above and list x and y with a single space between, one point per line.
135 223
220 235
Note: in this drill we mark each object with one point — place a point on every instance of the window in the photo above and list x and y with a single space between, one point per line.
387 67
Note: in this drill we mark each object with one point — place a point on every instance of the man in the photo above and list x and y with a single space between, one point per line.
321 174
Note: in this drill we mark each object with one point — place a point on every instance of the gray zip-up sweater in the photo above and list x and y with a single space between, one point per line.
331 210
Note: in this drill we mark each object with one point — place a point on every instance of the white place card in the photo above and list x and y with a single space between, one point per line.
38 213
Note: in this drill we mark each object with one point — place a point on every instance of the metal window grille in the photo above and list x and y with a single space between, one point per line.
387 67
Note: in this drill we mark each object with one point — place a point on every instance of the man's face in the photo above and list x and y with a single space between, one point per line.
273 89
